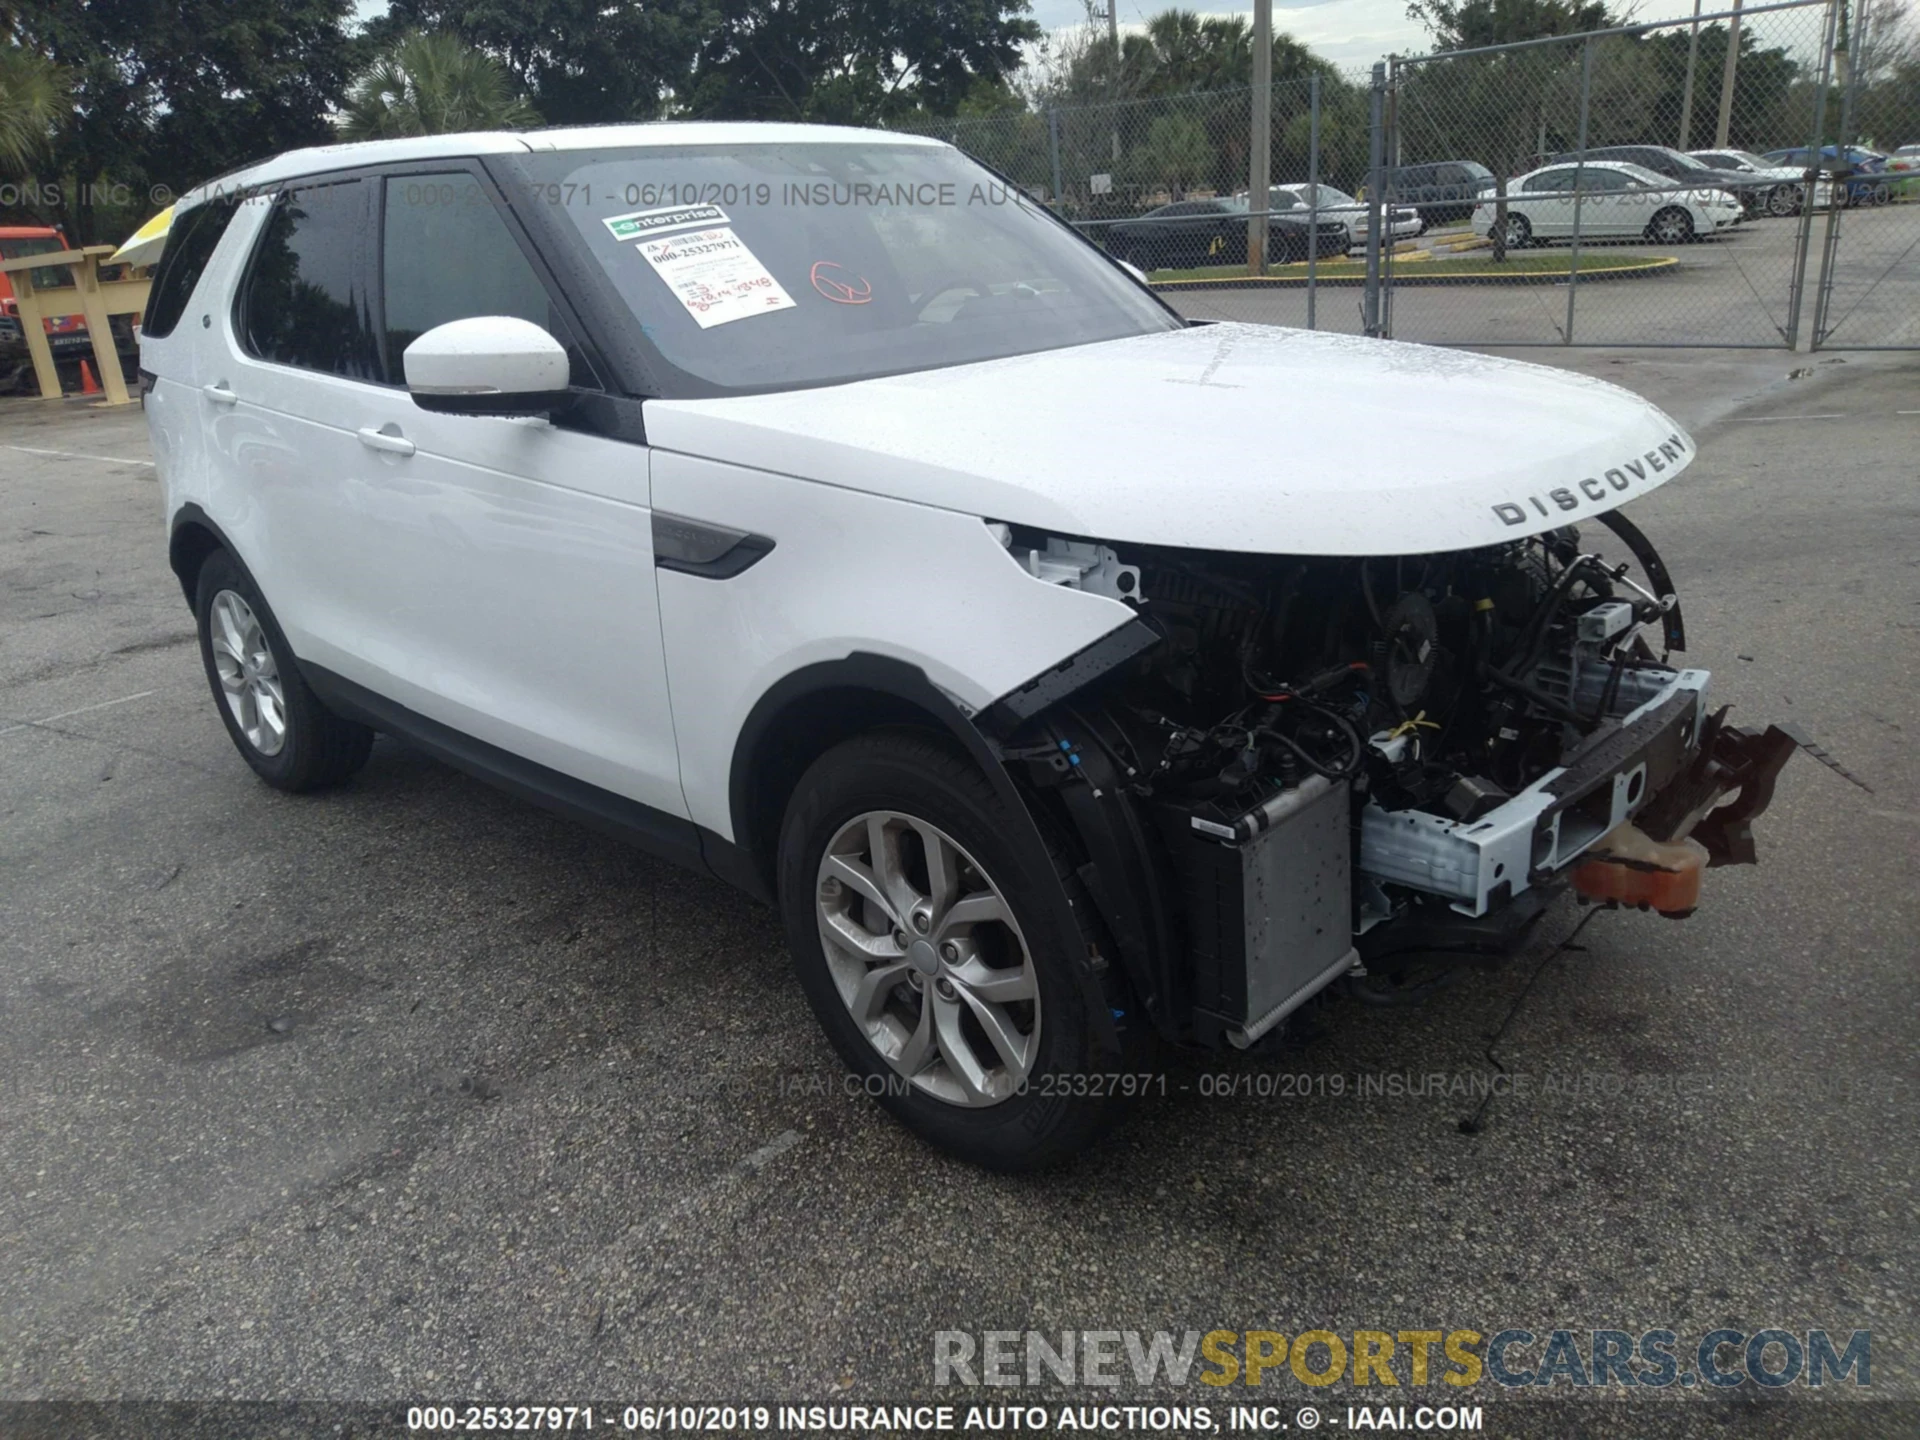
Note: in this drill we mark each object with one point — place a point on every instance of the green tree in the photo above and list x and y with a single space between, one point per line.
168 95
1468 24
1886 107
33 101
578 61
432 85
853 60
1177 154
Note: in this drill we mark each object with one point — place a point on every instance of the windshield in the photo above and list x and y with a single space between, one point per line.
782 265
1747 157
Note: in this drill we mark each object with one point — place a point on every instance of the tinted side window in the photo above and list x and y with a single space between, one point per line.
304 302
446 254
190 245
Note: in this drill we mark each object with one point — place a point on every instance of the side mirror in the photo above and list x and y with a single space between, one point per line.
487 365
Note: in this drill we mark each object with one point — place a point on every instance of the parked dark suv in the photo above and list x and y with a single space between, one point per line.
1751 190
1442 190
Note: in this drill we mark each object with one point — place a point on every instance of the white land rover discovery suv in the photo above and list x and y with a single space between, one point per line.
815 509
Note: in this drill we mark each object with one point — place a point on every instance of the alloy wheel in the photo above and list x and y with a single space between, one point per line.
928 958
249 676
1672 227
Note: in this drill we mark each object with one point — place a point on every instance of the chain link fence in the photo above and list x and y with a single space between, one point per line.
1735 179
1868 294
1162 183
1642 189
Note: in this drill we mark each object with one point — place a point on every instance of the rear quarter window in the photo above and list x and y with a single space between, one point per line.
189 248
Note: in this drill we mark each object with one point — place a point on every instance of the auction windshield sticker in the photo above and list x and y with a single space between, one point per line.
641 223
715 276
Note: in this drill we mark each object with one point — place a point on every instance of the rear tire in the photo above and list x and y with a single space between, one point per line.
1783 200
278 725
976 1033
1672 226
1519 232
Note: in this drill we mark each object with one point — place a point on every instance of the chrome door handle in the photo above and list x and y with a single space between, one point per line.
219 393
393 444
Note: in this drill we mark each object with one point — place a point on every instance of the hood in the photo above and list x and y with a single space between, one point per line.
1218 437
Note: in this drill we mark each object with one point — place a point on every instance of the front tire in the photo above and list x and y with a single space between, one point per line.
1783 200
930 955
278 725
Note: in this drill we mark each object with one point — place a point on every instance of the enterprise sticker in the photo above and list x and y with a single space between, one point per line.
714 275
642 223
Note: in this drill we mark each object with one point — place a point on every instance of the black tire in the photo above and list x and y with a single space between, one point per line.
1519 231
1783 200
914 773
319 748
1671 226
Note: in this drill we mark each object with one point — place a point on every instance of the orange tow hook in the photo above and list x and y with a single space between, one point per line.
1627 866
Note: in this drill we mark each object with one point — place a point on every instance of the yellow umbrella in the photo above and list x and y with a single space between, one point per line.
144 247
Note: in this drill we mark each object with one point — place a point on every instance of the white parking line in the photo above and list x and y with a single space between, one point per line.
75 455
83 710
1777 419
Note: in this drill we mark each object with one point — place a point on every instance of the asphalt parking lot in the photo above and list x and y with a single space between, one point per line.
412 1092
1732 290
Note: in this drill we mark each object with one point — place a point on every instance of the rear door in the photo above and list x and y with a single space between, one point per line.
284 382
1547 201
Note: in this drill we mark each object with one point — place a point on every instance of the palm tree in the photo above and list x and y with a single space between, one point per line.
33 99
432 85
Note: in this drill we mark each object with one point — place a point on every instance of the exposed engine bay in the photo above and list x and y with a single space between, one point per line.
1355 766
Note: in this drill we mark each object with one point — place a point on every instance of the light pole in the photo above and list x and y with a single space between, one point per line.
1686 90
1727 78
1259 157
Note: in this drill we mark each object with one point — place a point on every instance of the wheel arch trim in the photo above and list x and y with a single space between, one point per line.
904 685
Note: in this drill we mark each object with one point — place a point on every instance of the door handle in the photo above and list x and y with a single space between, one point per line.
219 393
390 441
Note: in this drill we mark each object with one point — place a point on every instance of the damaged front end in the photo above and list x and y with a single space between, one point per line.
1288 769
